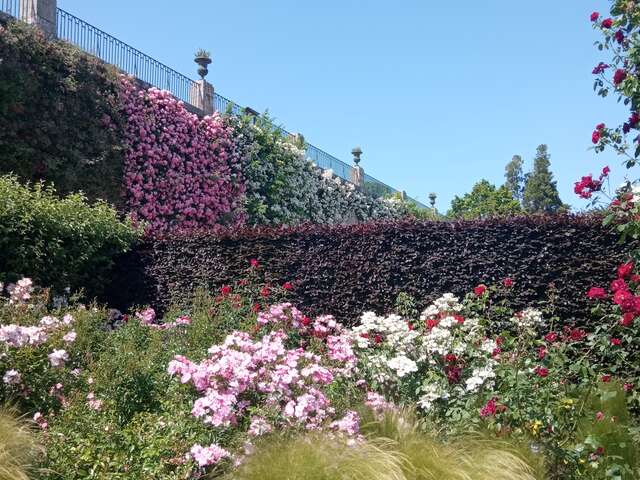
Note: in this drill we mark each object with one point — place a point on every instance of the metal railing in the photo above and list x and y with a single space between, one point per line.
126 58
149 70
10 7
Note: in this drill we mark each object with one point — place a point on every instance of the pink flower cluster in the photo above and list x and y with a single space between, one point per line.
243 374
20 292
148 317
181 172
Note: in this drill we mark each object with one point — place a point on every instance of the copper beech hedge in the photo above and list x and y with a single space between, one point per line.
345 270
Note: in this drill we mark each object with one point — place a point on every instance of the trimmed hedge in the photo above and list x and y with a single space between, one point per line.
345 270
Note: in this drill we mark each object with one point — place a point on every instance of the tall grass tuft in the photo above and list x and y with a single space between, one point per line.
17 446
319 457
469 458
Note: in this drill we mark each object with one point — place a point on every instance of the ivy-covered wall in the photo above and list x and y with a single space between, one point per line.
69 119
55 106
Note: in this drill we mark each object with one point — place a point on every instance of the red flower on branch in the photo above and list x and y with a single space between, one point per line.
480 290
607 23
619 76
225 290
507 282
542 371
596 292
594 16
287 286
625 270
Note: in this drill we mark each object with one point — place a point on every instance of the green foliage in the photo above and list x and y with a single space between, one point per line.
17 446
58 242
284 187
59 117
484 201
540 194
514 176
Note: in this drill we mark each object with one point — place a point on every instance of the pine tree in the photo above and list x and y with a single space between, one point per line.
514 177
540 194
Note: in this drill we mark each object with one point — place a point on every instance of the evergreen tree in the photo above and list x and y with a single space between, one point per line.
514 177
540 194
484 201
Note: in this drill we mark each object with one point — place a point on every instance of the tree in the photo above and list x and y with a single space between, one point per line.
540 194
484 201
514 177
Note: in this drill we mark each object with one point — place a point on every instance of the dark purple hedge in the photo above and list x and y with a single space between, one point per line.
345 270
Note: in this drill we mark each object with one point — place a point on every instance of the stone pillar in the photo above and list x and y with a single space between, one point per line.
42 13
357 174
201 96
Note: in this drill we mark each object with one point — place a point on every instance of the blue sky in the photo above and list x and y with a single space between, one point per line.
437 94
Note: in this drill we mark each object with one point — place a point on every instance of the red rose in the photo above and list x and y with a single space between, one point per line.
595 137
600 127
225 290
605 172
499 341
254 263
627 319
542 371
431 323
410 326
450 358
628 387
496 351
507 282
551 337
635 278
616 342
255 308
606 378
576 334
480 289
459 319
265 292
619 76
599 416
542 352
595 16
287 286
625 270
618 285
377 338
607 23
363 335
490 409
596 292
306 321
619 36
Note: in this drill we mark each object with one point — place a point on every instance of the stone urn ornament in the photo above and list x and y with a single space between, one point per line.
203 58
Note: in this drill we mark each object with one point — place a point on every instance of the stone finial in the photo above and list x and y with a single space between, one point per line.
356 152
203 58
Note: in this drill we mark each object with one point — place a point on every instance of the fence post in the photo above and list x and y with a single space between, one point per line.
357 173
41 13
201 92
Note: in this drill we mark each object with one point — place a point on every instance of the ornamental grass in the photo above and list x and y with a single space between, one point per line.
17 446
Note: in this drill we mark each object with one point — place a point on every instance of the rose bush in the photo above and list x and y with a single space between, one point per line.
565 390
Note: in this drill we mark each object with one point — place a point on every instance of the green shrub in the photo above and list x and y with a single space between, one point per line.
58 242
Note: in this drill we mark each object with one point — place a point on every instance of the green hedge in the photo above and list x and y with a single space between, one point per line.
59 242
56 106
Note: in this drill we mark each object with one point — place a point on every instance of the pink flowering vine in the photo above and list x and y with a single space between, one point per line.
180 172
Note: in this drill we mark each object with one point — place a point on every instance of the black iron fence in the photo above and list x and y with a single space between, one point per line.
134 62
126 58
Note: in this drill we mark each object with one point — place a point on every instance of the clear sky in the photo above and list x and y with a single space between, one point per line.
437 94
